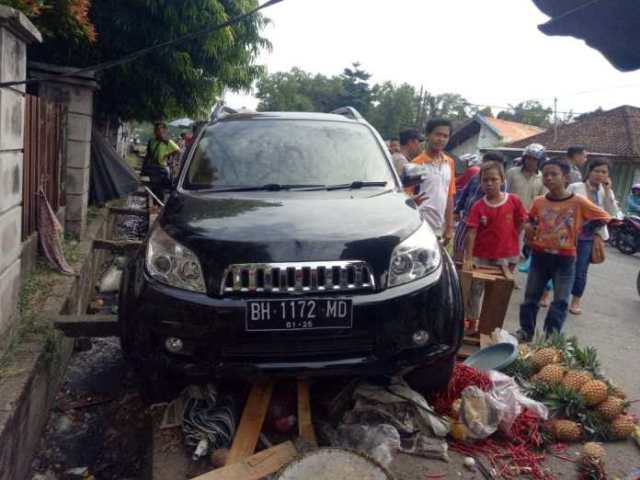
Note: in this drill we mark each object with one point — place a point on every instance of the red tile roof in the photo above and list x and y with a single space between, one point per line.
616 132
513 131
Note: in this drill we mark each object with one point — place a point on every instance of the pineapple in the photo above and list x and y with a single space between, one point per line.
623 426
546 356
617 392
575 379
563 402
586 359
611 407
594 392
566 431
550 375
594 451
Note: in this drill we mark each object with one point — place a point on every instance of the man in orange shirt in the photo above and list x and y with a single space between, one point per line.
437 190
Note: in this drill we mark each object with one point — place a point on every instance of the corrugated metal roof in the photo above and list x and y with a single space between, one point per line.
513 131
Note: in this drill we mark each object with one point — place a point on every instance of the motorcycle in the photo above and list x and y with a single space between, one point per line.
628 235
614 227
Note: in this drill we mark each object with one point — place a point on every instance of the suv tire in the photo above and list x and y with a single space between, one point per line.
432 377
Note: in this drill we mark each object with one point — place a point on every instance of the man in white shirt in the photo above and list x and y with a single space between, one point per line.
438 188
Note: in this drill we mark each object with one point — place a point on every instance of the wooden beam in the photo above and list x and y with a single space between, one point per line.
140 212
506 272
255 409
75 326
122 247
305 423
256 466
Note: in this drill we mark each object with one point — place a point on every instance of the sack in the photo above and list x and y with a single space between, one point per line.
597 250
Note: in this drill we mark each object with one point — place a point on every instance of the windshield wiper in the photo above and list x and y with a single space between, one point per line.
269 187
355 185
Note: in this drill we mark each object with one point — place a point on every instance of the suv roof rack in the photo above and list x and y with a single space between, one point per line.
221 110
348 112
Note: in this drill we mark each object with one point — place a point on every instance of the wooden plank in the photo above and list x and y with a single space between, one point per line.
256 466
466 351
140 212
484 276
495 304
466 279
471 340
117 246
506 272
255 409
75 326
305 423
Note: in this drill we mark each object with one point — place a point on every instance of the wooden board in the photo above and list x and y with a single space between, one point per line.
255 409
305 423
256 466
75 326
495 304
117 247
140 212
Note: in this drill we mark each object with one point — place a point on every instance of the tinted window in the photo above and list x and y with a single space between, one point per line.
259 152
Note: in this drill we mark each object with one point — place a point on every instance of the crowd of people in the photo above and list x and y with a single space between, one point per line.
545 216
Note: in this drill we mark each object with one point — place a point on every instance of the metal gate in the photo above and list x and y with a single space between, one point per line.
43 154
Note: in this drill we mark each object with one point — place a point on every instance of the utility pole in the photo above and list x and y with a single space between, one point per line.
555 119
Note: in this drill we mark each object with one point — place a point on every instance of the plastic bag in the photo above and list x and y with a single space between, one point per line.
480 412
500 335
507 392
110 281
380 442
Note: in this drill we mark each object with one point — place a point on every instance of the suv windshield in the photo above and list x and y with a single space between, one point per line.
286 152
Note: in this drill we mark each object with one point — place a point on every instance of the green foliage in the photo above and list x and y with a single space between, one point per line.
67 20
184 79
586 359
530 112
394 110
521 369
563 402
389 108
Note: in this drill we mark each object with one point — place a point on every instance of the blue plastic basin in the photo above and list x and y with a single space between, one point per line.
495 357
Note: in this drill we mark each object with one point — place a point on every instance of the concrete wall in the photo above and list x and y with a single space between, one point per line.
16 31
77 94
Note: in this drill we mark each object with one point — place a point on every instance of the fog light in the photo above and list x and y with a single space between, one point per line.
173 344
420 338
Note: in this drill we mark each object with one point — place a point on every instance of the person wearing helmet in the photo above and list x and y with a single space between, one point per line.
633 201
525 180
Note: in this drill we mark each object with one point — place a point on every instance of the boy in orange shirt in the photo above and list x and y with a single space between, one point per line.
555 221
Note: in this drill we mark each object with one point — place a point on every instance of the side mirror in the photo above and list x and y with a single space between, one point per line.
412 175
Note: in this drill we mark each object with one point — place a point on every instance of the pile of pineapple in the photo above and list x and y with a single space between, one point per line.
582 403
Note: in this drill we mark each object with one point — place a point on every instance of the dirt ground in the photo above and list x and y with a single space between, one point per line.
99 423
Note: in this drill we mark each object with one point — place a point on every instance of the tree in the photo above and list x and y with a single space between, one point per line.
485 112
452 106
530 112
394 108
298 90
62 19
184 79
357 92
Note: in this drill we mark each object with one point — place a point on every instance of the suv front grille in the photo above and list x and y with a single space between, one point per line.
299 277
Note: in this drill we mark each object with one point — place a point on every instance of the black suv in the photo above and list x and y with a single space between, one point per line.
288 247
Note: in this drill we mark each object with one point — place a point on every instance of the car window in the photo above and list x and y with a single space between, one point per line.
300 152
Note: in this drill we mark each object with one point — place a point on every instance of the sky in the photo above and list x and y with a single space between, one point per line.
489 51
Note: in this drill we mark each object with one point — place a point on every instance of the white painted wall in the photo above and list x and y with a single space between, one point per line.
485 138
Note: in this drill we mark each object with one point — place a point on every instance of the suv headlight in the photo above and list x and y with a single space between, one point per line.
415 258
173 264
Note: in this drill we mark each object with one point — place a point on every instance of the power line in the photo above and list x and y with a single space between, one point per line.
143 51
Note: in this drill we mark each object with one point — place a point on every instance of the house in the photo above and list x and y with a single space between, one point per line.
612 134
482 132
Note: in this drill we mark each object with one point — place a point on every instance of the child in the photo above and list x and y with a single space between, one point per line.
555 221
494 226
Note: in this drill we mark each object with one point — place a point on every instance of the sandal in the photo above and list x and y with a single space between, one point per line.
575 311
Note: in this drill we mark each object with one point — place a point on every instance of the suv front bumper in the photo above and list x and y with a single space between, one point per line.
215 342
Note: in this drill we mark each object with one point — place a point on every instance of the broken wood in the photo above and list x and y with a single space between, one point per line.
140 212
305 423
256 466
255 409
75 326
120 247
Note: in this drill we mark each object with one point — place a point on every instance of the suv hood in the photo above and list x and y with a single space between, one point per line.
224 229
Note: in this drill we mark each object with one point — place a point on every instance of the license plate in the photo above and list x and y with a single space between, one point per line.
307 314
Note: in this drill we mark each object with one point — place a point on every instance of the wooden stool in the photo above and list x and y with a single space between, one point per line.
498 286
